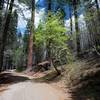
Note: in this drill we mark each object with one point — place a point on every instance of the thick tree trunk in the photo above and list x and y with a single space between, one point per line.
1 7
1 18
31 38
75 3
4 36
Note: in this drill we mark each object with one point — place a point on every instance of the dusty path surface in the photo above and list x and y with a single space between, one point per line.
32 91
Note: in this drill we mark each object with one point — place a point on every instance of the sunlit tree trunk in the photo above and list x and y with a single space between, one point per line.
31 38
4 36
75 3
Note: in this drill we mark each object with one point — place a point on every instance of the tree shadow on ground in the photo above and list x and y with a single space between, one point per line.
8 78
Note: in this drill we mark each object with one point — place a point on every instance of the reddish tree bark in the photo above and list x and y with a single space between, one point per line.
31 39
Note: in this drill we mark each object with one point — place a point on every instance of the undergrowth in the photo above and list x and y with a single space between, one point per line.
83 79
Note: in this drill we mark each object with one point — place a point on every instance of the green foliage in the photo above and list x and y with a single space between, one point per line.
11 34
25 43
11 41
21 50
20 69
18 57
53 35
53 30
20 53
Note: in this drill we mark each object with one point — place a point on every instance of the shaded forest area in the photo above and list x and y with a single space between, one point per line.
71 48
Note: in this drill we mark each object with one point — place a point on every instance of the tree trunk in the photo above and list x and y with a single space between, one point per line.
4 36
1 5
6 9
98 20
50 58
49 43
97 5
98 10
49 8
71 25
1 18
31 38
56 69
75 3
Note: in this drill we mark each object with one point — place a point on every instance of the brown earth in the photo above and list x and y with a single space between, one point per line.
15 86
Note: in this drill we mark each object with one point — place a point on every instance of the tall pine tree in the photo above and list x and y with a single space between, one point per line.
31 38
4 36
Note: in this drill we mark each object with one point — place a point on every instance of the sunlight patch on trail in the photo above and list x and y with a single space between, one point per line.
32 91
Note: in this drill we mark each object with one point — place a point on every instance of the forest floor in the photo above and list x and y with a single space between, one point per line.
18 86
80 81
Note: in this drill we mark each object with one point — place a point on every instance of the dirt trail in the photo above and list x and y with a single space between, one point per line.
32 91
